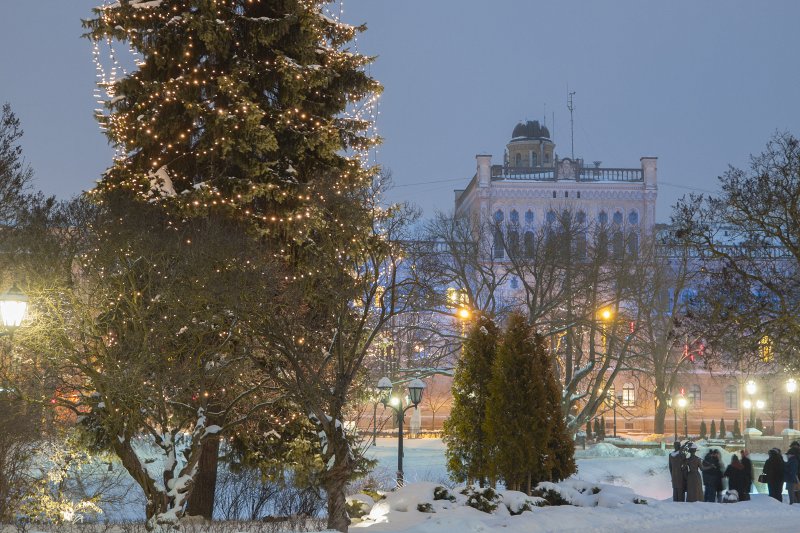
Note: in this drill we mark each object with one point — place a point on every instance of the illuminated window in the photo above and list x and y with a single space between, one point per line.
628 395
529 216
765 349
602 218
514 216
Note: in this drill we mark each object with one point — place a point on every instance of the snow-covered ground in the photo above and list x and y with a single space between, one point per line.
621 475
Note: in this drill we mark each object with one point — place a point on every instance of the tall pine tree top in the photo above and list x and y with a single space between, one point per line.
236 104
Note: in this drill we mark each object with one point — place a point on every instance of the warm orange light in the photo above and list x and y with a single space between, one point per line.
606 313
463 313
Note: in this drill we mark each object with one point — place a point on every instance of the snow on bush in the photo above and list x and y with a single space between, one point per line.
604 449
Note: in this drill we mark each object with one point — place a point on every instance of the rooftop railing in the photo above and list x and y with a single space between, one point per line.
585 174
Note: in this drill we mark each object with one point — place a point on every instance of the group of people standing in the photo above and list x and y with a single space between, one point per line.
695 479
779 471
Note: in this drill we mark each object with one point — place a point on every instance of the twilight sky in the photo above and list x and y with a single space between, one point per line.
700 84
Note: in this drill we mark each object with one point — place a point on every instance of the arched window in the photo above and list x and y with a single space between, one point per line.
731 397
633 244
498 216
529 217
518 160
497 244
628 395
602 218
514 282
533 159
617 245
633 217
513 243
528 244
580 218
551 217
580 244
617 217
694 395
514 216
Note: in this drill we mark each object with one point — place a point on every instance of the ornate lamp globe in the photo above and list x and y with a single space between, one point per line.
384 388
415 389
750 387
13 306
791 386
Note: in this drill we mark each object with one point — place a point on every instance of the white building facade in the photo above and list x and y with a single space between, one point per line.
533 185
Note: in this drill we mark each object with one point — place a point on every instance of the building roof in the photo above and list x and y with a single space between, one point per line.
530 130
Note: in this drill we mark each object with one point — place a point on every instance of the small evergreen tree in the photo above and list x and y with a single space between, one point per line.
518 416
588 430
737 432
723 433
463 432
713 434
703 430
603 426
759 424
597 433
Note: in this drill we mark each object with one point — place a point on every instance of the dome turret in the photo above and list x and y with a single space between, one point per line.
530 130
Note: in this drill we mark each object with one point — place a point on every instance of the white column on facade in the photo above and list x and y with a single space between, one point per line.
484 171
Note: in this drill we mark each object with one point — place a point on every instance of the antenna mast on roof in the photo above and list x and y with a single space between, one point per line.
571 107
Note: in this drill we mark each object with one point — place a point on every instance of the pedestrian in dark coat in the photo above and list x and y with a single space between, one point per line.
773 469
694 483
677 471
748 469
737 477
790 470
712 476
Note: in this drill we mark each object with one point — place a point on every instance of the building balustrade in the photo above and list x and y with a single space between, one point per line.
580 174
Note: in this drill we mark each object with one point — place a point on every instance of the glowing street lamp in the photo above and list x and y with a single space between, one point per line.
750 388
671 404
682 403
13 307
415 389
791 387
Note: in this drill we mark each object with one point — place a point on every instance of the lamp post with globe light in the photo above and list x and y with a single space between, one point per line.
682 403
13 308
791 387
415 390
674 415
750 388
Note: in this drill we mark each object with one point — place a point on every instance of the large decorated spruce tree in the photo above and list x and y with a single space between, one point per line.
252 113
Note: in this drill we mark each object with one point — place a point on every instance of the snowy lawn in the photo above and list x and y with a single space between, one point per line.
622 475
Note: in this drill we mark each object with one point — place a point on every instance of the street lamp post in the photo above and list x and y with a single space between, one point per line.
415 390
682 404
759 407
13 307
791 386
674 416
751 388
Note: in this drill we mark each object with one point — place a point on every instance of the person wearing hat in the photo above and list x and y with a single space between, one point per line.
773 470
694 482
790 471
677 470
748 471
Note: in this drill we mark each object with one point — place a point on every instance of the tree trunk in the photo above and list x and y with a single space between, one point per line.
201 501
336 478
659 417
